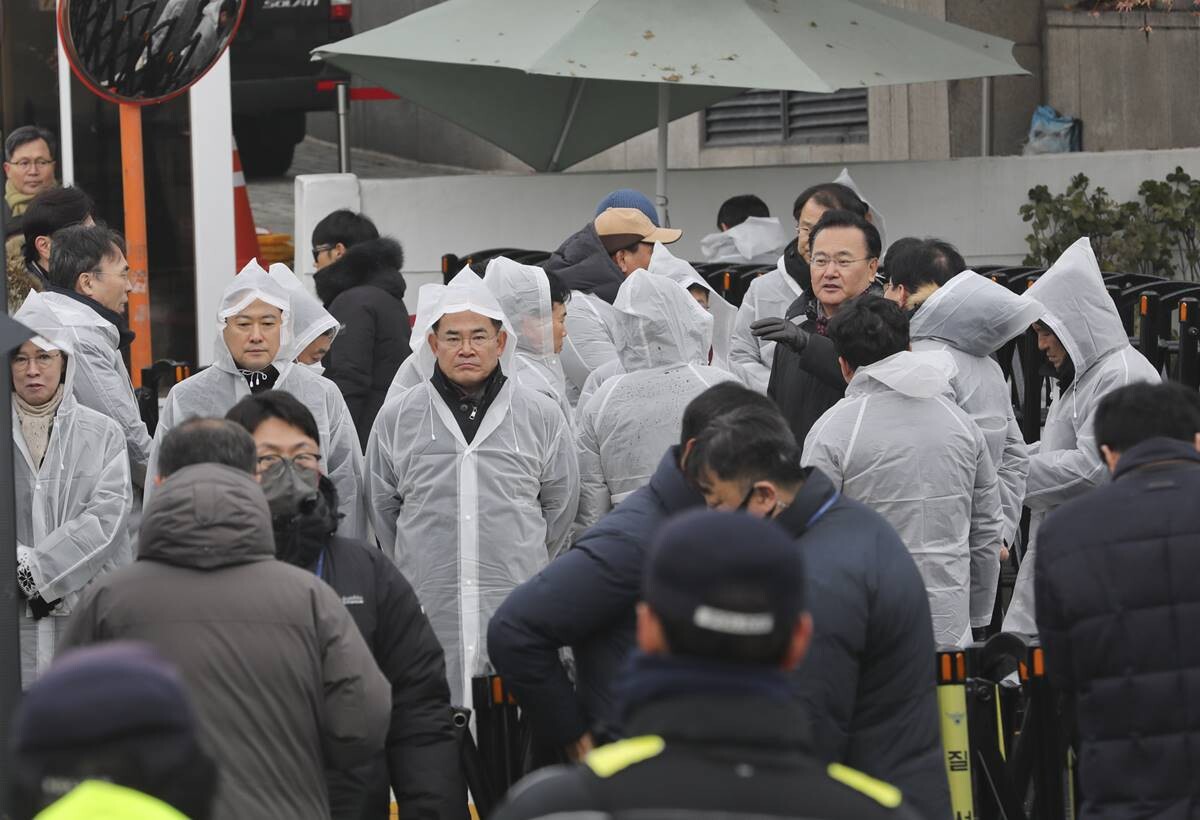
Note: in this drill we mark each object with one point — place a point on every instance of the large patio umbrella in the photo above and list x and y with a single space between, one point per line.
556 81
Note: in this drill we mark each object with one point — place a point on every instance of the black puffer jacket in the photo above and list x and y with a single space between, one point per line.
585 266
364 290
420 762
1118 611
707 756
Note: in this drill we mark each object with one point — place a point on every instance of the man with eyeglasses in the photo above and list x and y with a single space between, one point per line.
73 492
420 760
471 476
844 251
255 353
86 297
29 170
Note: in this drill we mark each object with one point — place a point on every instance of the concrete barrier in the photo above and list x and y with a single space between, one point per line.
972 202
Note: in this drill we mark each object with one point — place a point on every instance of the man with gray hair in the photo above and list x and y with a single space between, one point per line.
282 680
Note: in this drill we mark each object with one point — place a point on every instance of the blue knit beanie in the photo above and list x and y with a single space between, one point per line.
629 198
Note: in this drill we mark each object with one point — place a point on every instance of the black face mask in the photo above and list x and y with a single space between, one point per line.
289 489
304 523
744 507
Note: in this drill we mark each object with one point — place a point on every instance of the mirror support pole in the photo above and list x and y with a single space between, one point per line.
134 189
343 127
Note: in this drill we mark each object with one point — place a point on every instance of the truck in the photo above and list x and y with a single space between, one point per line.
275 83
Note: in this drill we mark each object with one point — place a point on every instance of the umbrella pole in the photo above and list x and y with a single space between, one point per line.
660 182
576 95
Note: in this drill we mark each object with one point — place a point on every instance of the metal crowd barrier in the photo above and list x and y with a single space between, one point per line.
1006 751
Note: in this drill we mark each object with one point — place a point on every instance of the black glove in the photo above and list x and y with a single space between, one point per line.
40 608
781 331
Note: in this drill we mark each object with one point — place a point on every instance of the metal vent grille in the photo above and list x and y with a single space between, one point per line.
772 117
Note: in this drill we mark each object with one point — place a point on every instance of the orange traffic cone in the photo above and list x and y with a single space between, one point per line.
243 217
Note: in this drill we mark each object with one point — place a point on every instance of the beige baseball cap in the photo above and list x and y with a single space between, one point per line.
621 227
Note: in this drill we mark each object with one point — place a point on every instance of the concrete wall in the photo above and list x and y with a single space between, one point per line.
972 202
1130 90
921 121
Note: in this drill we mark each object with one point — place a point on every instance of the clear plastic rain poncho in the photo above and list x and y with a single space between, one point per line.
900 444
523 292
769 295
72 511
589 344
663 338
757 241
102 382
310 319
1065 463
214 390
664 263
970 317
467 522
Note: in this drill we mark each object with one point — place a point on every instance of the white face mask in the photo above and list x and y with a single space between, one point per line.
315 367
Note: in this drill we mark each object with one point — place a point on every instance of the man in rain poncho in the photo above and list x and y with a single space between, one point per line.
664 336
254 353
746 233
527 300
1081 334
471 476
73 493
89 278
593 263
313 327
970 317
899 444
724 315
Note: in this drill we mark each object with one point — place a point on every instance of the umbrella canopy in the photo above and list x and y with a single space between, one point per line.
557 81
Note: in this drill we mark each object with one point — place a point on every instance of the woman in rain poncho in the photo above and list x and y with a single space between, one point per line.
73 493
1080 315
468 520
266 348
523 292
663 338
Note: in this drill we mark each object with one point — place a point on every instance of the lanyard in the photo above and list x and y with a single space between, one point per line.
824 508
321 564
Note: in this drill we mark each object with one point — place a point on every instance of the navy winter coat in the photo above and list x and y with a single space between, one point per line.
584 599
1118 611
868 682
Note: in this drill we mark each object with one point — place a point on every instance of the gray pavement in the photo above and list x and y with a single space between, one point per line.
273 200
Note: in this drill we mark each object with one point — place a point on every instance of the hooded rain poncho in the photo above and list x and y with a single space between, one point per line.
72 511
664 337
589 344
310 319
970 317
102 382
213 391
757 241
769 295
468 522
1066 462
523 292
899 444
